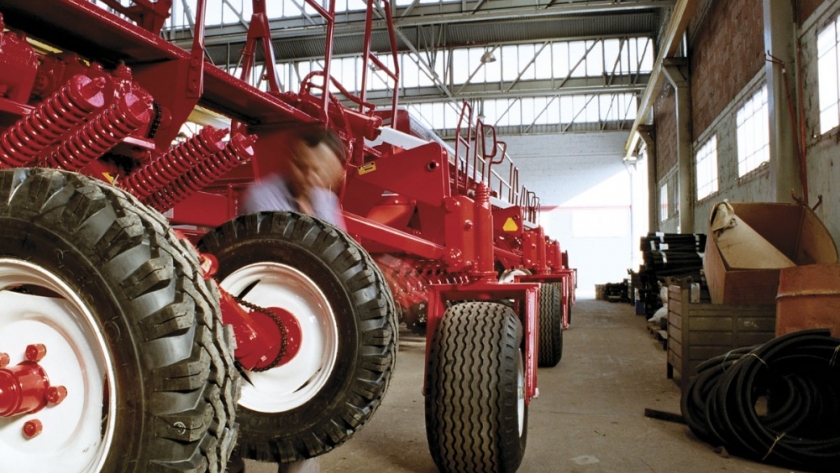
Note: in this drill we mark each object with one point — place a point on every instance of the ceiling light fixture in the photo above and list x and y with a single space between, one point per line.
487 57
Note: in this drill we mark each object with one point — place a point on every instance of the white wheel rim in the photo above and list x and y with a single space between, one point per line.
75 437
296 382
520 393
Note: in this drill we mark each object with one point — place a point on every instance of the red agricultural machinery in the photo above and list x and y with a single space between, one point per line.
149 327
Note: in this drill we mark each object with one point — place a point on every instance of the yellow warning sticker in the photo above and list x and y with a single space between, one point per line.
369 167
510 225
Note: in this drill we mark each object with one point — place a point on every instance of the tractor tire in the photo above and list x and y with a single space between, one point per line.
131 329
551 326
331 388
476 416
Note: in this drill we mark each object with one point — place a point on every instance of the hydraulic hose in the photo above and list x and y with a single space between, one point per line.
775 403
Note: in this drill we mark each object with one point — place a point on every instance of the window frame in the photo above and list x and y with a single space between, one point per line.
752 123
707 151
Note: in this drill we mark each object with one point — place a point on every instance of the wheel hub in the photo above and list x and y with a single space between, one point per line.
23 388
34 435
294 335
312 335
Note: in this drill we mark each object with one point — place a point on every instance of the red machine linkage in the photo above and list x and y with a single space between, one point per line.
23 142
98 136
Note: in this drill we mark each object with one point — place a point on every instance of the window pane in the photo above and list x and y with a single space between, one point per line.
355 5
553 111
213 12
526 66
646 50
510 62
633 51
566 109
577 51
592 109
607 107
560 59
827 65
475 63
527 105
611 49
543 63
540 112
595 59
461 71
515 113
753 132
829 118
706 166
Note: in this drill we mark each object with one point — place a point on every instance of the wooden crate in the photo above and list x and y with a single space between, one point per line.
699 331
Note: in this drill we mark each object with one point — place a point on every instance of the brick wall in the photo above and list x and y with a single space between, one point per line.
727 50
665 118
806 8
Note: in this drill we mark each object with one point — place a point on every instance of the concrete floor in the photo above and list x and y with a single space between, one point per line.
589 417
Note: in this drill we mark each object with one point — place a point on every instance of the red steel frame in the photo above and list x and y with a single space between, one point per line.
449 193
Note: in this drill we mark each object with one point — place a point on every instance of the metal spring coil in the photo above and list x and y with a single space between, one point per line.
74 102
237 151
98 136
171 165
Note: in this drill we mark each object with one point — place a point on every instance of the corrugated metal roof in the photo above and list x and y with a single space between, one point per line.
529 29
526 29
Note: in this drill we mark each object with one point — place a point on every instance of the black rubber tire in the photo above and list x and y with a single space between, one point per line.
472 390
569 302
551 326
176 385
364 314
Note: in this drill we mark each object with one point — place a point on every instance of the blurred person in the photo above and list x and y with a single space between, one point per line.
307 179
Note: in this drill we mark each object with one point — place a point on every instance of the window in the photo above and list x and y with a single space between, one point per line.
706 166
663 203
827 64
753 122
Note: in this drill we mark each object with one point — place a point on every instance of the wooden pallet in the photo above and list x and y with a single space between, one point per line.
660 335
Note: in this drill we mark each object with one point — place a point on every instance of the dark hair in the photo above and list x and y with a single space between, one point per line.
317 134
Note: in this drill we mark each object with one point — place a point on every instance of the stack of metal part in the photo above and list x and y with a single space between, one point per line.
668 255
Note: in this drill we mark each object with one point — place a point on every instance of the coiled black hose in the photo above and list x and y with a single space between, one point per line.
777 403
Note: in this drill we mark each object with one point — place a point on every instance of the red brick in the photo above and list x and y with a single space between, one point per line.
805 8
665 116
726 52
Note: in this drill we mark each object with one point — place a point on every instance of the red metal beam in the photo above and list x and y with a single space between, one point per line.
400 242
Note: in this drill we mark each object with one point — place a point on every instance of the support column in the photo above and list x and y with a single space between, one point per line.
646 132
676 70
779 38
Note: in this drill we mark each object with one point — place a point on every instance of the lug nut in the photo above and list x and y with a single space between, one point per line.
36 352
56 394
32 428
4 360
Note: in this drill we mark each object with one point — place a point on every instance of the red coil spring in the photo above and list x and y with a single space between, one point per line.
238 150
24 141
171 165
98 136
